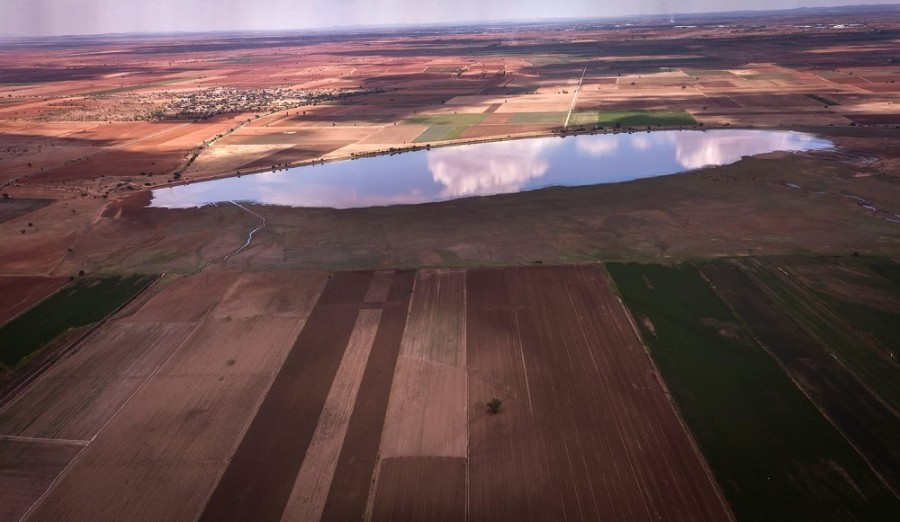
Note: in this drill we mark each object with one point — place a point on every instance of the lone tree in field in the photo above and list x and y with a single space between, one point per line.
494 405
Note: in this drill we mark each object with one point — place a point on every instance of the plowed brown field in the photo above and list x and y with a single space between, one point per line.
439 495
291 396
171 389
26 470
279 436
18 294
586 431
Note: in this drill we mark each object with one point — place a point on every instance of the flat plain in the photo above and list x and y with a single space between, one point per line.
714 345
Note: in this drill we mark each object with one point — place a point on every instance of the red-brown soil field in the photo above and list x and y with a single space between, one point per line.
588 432
18 294
288 395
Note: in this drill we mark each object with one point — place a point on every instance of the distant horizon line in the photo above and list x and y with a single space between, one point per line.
472 23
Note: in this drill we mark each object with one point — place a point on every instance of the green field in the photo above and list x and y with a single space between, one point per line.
441 133
862 336
442 68
447 119
549 118
82 303
643 118
775 456
512 90
821 99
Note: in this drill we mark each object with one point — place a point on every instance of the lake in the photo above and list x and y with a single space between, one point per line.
488 168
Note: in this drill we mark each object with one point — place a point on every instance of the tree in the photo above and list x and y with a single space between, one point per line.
494 405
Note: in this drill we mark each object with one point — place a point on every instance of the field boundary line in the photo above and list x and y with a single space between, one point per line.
524 365
52 484
466 399
574 98
71 442
720 494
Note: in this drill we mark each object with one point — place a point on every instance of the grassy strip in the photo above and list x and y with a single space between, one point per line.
513 89
822 99
645 118
774 454
441 133
82 303
440 69
533 118
447 119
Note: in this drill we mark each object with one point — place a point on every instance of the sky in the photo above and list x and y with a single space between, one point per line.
62 17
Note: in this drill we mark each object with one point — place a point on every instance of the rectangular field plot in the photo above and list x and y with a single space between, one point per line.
586 431
773 452
633 118
18 294
646 118
185 300
85 302
161 455
421 489
447 119
556 118
271 294
427 412
81 393
441 133
436 328
26 470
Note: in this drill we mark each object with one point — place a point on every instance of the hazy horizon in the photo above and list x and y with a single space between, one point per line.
85 17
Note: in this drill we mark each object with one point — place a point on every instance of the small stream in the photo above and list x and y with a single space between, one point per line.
249 236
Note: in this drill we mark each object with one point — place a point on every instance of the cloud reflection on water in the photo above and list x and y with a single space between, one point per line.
491 168
694 150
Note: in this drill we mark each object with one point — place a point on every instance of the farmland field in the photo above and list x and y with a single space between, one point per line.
363 395
441 133
160 414
18 294
762 436
633 118
556 347
82 303
719 344
758 295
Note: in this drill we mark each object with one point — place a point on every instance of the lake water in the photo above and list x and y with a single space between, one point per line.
488 168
